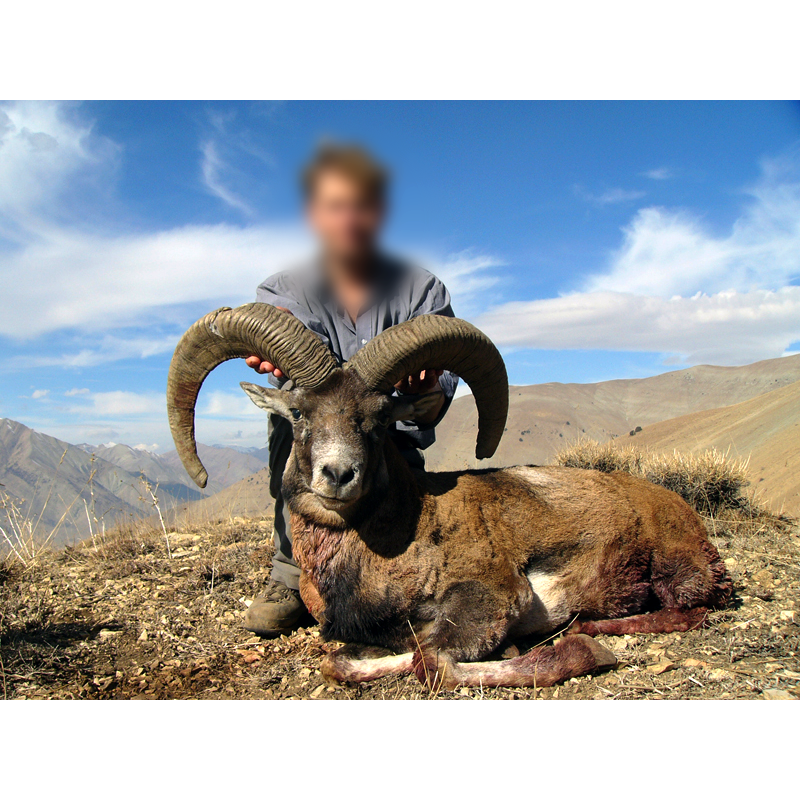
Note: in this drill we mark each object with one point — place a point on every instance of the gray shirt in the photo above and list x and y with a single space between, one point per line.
401 292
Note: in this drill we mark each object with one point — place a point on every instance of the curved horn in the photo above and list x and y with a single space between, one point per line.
435 342
255 328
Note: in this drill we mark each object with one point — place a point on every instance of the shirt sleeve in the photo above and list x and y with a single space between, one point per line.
281 290
431 297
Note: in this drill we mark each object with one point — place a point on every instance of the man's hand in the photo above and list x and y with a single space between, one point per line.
426 382
266 367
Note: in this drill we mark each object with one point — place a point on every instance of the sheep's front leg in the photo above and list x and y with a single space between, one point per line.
356 664
568 658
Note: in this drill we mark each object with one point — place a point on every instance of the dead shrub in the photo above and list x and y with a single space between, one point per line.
710 482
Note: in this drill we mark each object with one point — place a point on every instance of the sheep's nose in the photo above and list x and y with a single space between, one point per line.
337 476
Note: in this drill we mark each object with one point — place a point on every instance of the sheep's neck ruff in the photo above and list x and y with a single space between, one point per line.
337 561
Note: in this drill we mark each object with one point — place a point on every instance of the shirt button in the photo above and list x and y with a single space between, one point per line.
363 341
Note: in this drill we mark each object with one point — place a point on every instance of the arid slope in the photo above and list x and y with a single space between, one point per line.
765 430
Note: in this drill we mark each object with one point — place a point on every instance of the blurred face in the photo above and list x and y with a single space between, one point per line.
346 221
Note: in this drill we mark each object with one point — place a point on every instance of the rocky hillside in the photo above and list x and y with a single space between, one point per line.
48 480
544 418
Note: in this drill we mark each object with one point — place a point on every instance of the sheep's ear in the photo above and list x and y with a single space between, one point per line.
276 401
412 406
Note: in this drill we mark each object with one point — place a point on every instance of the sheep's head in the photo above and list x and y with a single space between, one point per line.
329 398
339 430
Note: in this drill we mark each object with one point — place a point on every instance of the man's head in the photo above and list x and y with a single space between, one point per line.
345 192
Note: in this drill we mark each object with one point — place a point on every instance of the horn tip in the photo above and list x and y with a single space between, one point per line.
483 451
201 479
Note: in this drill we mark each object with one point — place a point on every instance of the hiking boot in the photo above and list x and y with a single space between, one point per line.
277 610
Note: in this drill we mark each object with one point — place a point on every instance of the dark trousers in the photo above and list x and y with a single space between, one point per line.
284 567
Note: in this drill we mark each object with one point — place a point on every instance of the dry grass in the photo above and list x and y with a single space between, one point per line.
711 482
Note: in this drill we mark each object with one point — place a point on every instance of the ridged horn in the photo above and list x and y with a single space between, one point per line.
252 329
436 342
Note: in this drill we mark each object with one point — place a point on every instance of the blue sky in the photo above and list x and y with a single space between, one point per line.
590 240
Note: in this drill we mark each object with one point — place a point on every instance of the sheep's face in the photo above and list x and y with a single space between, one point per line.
339 431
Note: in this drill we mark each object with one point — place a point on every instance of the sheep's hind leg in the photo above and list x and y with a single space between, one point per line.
568 658
356 664
665 620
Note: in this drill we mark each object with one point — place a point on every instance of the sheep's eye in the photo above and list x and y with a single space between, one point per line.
295 412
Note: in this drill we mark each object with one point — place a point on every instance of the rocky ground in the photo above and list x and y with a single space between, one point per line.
124 618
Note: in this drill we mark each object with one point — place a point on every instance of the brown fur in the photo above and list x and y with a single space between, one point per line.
439 563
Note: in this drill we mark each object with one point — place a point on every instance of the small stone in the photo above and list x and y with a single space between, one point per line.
305 672
143 635
661 667
318 691
463 691
719 675
787 615
731 563
777 694
764 577
106 634
693 662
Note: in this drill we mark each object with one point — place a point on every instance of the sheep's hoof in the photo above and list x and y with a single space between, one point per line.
604 658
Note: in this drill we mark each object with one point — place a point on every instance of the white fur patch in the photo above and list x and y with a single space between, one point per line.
549 608
534 476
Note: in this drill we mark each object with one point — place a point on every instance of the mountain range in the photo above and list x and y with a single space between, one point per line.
545 418
58 485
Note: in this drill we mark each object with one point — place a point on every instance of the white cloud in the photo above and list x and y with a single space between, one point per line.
676 287
468 275
212 168
229 405
75 392
121 404
97 282
40 393
660 174
724 328
667 252
610 196
97 278
43 149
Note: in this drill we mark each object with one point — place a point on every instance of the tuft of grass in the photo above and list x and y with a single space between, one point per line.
711 482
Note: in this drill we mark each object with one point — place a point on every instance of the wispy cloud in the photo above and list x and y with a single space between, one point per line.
468 275
212 167
75 392
659 174
38 394
610 196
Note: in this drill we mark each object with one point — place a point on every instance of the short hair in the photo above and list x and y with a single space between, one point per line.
351 160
